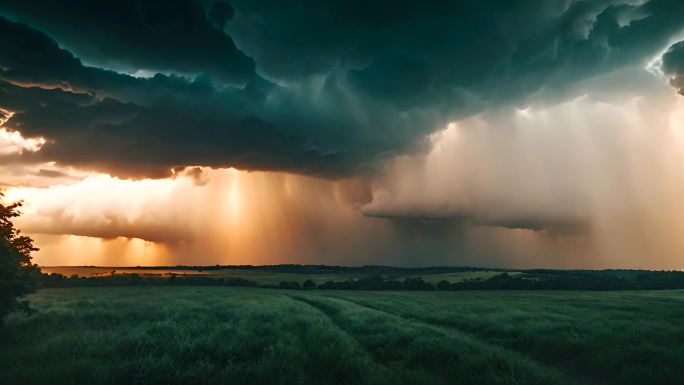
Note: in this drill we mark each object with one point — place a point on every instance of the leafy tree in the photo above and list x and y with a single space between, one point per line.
289 285
443 285
309 284
18 274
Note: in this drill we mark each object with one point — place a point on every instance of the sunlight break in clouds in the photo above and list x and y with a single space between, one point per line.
584 183
12 142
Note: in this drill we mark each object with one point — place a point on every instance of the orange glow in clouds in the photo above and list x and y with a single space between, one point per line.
235 217
492 191
12 142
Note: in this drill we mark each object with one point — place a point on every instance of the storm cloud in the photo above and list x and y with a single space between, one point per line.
153 35
327 89
362 131
673 65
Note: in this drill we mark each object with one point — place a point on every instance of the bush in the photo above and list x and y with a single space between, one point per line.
18 274
289 285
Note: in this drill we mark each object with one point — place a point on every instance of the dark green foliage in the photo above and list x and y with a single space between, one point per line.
574 280
366 270
59 280
289 285
378 283
17 273
525 280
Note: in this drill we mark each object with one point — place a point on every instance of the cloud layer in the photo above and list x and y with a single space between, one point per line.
673 65
265 87
523 133
581 184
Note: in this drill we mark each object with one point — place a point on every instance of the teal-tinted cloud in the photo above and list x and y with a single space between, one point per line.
673 65
320 88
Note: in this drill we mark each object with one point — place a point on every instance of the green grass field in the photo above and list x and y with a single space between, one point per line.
220 335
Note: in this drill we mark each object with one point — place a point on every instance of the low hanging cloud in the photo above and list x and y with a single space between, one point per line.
242 218
330 102
545 169
121 208
594 182
540 187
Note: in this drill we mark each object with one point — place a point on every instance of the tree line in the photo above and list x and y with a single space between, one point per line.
529 280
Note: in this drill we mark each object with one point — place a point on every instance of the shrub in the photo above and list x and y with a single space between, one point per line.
18 274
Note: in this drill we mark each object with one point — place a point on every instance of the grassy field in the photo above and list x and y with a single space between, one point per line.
219 335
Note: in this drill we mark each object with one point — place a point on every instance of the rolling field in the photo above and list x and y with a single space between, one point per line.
218 335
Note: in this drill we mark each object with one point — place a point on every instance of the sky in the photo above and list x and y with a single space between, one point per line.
513 133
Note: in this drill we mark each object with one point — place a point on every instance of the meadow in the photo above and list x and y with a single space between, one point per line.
226 335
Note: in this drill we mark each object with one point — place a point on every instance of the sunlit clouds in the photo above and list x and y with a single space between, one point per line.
235 217
583 183
12 142
457 133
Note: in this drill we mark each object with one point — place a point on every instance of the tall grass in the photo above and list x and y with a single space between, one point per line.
608 337
219 335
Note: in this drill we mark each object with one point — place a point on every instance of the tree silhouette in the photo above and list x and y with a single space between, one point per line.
18 274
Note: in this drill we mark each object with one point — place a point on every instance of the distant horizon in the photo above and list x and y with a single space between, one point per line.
352 266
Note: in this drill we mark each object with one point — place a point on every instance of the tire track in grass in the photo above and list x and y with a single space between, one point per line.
331 313
419 352
388 375
575 376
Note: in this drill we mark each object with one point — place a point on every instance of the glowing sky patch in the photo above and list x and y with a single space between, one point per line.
12 142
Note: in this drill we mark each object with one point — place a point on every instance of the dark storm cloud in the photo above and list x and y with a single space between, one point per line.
30 57
349 83
673 65
157 35
431 53
144 127
152 125
220 12
134 140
